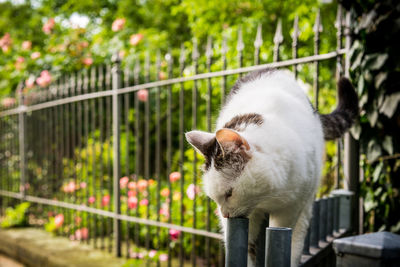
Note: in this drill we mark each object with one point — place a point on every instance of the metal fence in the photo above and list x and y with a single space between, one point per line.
99 147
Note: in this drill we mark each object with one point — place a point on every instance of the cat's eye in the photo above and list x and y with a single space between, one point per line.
228 193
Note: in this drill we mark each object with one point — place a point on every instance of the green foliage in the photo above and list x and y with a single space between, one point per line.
16 217
375 67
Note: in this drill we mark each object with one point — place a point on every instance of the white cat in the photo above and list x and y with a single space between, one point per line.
266 154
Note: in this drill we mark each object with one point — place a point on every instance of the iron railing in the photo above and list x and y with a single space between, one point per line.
66 148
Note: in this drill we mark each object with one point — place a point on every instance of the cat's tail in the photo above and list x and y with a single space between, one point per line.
340 120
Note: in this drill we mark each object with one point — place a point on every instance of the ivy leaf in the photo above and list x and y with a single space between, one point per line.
356 131
374 150
373 117
388 144
380 78
390 104
377 172
375 61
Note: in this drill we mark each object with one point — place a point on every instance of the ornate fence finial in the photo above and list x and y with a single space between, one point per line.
182 55
209 50
257 44
295 36
195 53
240 43
147 67
278 39
158 64
136 71
317 26
170 60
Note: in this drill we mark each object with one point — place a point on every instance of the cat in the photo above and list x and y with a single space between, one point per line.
266 154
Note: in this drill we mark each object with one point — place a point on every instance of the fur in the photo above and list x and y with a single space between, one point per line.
266 155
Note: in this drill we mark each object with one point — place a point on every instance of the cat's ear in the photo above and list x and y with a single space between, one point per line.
230 140
203 142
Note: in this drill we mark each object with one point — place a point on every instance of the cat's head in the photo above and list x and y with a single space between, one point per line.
228 178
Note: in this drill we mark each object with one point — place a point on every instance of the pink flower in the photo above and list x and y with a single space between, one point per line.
59 220
105 200
152 253
87 61
8 102
5 42
164 210
118 25
78 220
192 191
143 94
174 234
132 185
30 83
35 55
142 185
123 182
135 38
132 202
131 193
26 45
70 187
163 257
162 75
82 185
164 192
48 26
82 234
20 60
44 79
91 200
174 176
144 202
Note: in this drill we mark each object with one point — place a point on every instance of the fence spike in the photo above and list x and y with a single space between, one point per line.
296 33
127 75
73 84
209 50
136 71
158 64
147 67
195 53
278 39
92 79
170 60
317 25
257 44
224 46
240 43
182 55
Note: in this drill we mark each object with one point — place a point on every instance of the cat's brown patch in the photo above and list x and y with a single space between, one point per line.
240 122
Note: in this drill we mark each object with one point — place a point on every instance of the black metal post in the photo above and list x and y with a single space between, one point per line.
237 242
278 247
22 145
116 84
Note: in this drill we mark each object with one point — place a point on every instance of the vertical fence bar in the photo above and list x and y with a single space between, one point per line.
330 211
338 25
295 37
351 150
127 163
278 247
306 245
195 58
336 213
169 59
22 144
147 142
116 84
182 58
136 77
109 172
260 242
99 195
239 48
236 243
224 50
93 148
317 29
278 39
209 54
314 235
323 213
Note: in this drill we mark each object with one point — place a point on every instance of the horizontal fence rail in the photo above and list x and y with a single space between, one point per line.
103 151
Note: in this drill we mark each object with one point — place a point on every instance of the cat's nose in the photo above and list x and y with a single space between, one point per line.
225 215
